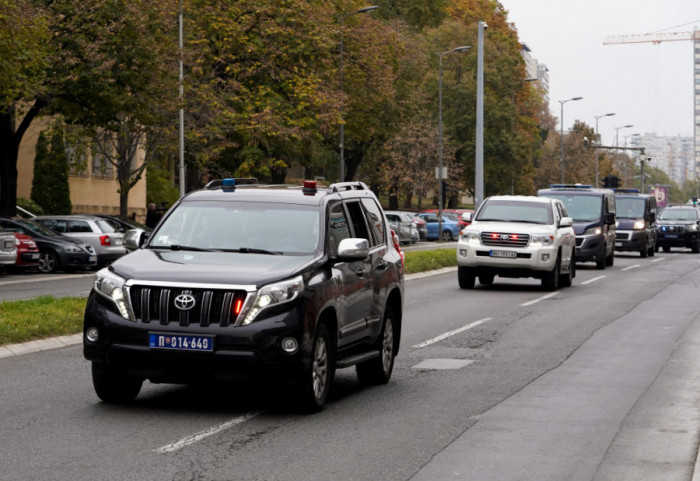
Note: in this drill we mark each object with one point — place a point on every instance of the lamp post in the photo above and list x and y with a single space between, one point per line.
479 161
342 124
597 138
182 112
624 170
561 133
440 176
617 134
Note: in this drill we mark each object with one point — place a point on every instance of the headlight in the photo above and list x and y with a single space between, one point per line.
692 227
542 239
639 225
593 231
470 236
111 286
275 294
72 249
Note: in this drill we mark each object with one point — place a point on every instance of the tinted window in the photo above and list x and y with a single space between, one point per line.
338 228
679 214
582 208
376 221
357 220
521 211
630 207
78 226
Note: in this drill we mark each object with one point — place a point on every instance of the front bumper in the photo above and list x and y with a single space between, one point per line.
687 239
240 353
77 259
631 240
590 248
527 260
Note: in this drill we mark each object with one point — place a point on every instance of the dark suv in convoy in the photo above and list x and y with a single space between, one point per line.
678 226
636 222
251 282
593 212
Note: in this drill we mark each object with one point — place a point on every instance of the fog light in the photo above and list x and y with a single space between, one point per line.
545 257
463 252
290 345
92 334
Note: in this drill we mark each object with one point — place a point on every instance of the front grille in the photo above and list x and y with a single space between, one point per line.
673 229
211 306
502 239
622 236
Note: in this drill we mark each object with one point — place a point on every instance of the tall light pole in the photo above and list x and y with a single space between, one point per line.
617 132
479 161
624 170
182 112
597 139
561 133
440 176
342 102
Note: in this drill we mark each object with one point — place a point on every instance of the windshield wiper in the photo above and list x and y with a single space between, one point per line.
253 250
178 247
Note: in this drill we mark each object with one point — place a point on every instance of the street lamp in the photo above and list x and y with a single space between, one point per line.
479 141
561 133
440 176
617 132
182 111
597 184
624 170
342 124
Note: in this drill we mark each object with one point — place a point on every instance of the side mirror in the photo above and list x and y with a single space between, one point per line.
134 238
566 222
353 249
651 217
610 218
467 217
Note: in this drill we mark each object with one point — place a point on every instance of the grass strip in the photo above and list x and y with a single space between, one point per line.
421 261
39 318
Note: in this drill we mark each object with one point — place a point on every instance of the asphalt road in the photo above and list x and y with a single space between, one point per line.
594 382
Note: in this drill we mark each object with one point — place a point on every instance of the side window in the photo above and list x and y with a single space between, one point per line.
557 213
338 228
78 226
357 219
376 220
56 225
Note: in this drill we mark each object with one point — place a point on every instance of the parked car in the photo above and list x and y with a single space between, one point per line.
450 228
8 250
453 214
27 251
100 234
130 228
518 236
679 226
403 226
58 252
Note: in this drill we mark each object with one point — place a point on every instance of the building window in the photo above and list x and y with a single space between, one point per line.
101 166
77 161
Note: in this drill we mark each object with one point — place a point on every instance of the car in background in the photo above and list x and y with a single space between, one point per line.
8 250
518 236
27 251
57 252
403 226
100 234
679 226
636 222
130 229
450 228
454 214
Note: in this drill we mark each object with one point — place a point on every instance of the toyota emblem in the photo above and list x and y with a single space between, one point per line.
504 237
185 302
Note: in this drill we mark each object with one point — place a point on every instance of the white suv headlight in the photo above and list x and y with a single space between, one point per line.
470 236
111 286
274 294
692 227
542 239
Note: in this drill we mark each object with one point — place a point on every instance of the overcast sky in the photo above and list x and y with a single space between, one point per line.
647 85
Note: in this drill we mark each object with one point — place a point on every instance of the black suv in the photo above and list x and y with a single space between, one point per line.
678 227
636 222
248 281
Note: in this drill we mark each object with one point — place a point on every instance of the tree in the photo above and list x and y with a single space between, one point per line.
50 188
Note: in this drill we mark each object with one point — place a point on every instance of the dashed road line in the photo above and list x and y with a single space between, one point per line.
658 259
451 333
628 268
592 280
186 441
535 301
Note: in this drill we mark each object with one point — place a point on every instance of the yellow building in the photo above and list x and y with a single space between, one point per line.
93 185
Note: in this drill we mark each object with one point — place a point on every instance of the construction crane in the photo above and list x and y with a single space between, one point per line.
657 38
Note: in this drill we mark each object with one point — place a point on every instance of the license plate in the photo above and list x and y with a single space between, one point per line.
508 254
118 242
92 259
618 244
35 256
179 342
9 244
671 236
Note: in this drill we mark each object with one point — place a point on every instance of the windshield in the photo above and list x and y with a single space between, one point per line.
581 208
520 211
679 214
38 228
240 226
630 208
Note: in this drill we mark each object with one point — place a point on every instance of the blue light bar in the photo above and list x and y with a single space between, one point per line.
228 183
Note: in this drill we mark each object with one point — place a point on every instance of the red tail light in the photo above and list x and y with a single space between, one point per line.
105 240
395 238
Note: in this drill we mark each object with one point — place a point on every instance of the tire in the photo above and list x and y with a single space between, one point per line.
610 260
48 262
551 280
378 370
644 253
652 250
600 265
567 280
113 387
446 236
486 279
466 277
696 247
315 383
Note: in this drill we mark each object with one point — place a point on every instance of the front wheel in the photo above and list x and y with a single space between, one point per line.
48 262
316 380
466 277
446 236
610 260
568 279
378 370
551 279
114 387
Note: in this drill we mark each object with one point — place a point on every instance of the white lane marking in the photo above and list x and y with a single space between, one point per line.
535 301
186 441
631 267
451 333
658 259
592 280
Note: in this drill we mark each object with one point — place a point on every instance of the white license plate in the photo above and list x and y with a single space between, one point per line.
118 242
507 254
35 256
618 244
180 342
92 258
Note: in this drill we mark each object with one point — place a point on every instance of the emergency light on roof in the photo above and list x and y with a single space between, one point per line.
310 187
570 186
626 191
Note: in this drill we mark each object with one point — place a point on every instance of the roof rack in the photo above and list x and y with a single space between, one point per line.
347 186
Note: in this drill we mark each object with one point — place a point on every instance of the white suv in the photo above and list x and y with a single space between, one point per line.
518 236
